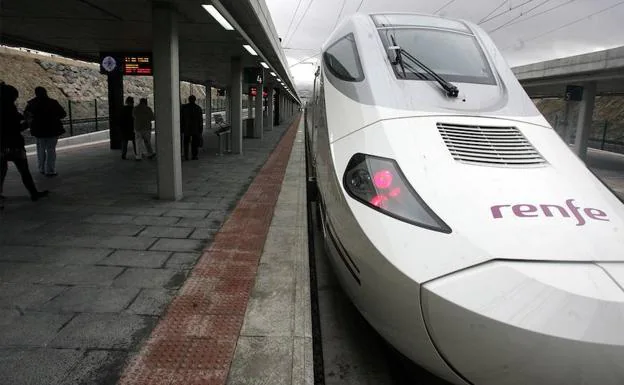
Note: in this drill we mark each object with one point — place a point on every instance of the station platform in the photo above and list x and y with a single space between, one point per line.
101 283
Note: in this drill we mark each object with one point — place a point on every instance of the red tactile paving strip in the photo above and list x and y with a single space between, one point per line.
194 342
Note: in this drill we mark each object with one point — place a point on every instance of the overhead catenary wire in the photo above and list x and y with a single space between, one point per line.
444 6
300 20
540 13
570 23
505 12
344 2
308 58
360 6
293 19
493 11
519 16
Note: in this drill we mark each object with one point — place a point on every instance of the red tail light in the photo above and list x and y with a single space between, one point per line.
380 184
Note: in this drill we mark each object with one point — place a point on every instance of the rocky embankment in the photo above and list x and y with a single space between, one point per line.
78 82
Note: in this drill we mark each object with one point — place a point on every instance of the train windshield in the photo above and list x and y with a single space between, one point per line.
454 55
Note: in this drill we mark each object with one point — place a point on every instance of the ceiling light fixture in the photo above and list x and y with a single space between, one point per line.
265 65
250 50
218 16
273 74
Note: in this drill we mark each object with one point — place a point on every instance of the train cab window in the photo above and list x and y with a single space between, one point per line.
343 61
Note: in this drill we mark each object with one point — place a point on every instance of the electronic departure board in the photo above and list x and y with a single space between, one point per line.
131 64
140 65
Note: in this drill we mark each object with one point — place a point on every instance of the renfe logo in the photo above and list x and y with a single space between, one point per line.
533 211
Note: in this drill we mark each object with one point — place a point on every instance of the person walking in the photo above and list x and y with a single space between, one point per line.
192 127
12 144
127 128
44 115
143 117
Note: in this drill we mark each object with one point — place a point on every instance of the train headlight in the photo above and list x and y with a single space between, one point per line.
379 184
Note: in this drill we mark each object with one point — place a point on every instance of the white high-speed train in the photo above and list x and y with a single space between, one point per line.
461 226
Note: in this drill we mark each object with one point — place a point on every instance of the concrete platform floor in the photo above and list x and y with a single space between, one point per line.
86 273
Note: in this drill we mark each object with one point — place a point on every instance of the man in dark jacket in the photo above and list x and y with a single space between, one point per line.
127 127
192 127
44 115
12 142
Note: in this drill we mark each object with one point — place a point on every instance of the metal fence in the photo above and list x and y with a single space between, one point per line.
84 117
605 135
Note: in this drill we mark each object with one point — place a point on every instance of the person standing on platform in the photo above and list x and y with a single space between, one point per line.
143 117
192 127
44 115
12 143
127 128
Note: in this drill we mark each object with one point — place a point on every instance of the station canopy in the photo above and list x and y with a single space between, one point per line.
81 29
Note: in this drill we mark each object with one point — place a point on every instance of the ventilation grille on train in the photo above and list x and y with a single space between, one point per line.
495 146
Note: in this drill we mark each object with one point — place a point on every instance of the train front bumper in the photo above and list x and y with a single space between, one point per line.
518 323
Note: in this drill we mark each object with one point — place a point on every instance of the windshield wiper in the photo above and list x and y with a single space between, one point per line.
451 90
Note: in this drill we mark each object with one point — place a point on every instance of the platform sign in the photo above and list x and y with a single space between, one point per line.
574 93
129 64
253 75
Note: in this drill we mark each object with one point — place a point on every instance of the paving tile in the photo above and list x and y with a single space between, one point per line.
151 302
96 367
284 241
167 244
109 219
206 223
270 313
203 234
29 328
79 299
145 211
27 296
137 258
99 229
56 255
26 272
275 276
128 243
83 275
182 260
103 331
166 232
183 213
150 278
26 366
303 361
154 221
262 360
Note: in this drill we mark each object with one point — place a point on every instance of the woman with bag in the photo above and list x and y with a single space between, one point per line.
12 142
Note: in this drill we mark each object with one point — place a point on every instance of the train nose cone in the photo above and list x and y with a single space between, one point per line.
518 323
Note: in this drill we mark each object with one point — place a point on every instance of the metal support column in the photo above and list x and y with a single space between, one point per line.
167 100
585 120
208 107
236 100
258 125
115 106
270 118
